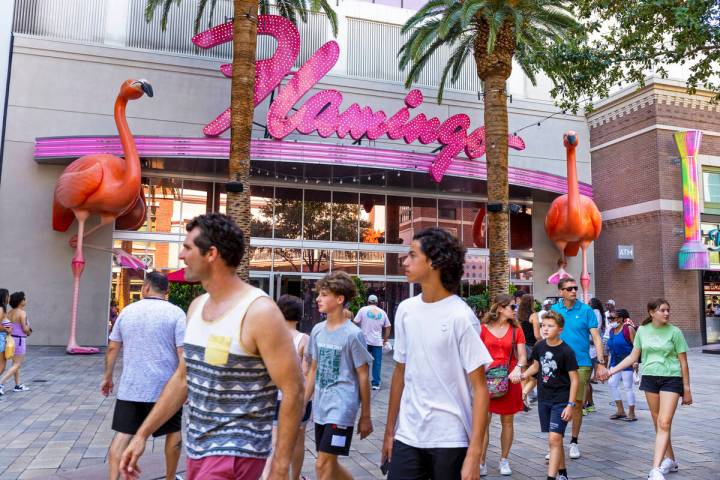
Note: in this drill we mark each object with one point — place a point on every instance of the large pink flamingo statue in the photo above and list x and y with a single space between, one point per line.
573 221
100 184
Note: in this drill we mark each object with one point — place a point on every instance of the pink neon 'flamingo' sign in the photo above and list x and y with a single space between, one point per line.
321 112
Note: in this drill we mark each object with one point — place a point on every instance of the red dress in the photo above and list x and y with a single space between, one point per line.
499 349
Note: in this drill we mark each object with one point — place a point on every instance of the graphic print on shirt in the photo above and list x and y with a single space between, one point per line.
549 366
328 365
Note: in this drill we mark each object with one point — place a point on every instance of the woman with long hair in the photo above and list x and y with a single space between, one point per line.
5 329
619 345
529 323
666 378
20 331
505 341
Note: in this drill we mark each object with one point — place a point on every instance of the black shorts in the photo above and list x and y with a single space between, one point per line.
550 417
128 417
333 439
412 463
656 384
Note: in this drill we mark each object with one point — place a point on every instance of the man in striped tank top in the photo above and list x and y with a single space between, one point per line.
231 368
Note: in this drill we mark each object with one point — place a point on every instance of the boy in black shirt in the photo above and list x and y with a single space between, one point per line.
554 363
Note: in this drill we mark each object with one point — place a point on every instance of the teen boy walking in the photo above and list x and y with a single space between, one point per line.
437 413
553 361
338 377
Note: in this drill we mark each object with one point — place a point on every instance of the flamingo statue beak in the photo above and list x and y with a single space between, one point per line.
146 87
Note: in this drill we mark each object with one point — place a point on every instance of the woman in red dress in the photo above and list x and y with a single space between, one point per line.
497 330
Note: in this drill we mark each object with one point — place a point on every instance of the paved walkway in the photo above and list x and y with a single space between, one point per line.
61 429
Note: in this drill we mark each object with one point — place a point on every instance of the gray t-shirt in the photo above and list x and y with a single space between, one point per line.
338 354
150 331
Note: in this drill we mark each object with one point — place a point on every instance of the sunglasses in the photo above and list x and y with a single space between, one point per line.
512 305
612 318
570 289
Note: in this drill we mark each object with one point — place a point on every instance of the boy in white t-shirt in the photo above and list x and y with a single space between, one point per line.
434 427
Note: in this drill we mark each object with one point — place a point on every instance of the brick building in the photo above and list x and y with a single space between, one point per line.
636 175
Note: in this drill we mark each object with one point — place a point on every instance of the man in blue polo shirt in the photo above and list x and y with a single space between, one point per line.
580 323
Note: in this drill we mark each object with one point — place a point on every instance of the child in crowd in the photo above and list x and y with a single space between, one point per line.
553 361
338 377
292 308
438 407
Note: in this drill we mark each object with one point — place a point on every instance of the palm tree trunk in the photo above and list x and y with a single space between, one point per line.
496 129
241 117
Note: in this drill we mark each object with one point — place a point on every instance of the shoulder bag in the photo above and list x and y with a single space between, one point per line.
497 378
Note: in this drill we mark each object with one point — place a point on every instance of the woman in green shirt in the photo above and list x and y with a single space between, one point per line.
662 349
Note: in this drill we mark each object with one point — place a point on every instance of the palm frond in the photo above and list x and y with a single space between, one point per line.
455 64
429 10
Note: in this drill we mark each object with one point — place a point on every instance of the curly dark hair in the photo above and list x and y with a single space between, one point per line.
338 283
291 307
445 253
4 297
219 231
16 299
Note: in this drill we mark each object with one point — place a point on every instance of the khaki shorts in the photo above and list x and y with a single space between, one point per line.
584 377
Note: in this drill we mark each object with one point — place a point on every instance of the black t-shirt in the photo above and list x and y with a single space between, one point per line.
553 378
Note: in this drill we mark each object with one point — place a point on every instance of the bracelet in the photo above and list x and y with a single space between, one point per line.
571 404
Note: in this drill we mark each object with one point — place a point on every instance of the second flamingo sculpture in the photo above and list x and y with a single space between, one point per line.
105 185
573 221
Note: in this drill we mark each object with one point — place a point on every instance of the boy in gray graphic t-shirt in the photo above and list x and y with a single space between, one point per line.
338 376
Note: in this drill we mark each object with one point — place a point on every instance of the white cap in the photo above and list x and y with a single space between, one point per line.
610 302
373 299
547 301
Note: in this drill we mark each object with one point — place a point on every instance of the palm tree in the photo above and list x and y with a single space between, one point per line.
494 32
242 90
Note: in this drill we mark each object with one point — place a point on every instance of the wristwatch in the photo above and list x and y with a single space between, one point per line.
571 404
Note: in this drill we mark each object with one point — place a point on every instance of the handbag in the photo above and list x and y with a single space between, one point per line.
498 382
9 347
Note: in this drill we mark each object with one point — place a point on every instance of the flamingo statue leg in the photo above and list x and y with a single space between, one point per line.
584 275
78 265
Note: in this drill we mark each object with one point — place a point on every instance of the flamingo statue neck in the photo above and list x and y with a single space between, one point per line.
573 203
132 160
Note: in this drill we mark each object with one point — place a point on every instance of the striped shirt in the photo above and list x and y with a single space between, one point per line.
231 397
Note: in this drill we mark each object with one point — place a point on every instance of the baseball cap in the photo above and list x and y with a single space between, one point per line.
373 299
547 301
610 302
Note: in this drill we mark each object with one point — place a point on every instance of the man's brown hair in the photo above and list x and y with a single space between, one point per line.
565 281
338 283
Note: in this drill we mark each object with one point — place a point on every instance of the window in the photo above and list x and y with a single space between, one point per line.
711 190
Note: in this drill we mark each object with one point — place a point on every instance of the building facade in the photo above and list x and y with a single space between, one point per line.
319 204
637 184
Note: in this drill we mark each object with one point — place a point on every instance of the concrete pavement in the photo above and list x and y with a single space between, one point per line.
61 429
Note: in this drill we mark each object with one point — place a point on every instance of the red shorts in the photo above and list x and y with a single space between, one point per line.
221 467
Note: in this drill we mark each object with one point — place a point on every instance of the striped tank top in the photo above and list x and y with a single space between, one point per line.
231 398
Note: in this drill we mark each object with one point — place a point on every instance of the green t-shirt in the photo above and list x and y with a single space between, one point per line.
660 348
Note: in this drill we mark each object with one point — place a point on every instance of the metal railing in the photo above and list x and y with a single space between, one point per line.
371 46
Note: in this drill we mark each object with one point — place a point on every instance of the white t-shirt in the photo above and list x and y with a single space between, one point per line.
439 343
371 320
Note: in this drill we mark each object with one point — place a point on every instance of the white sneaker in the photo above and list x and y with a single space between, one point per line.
376 387
483 470
574 451
656 474
547 458
560 476
668 466
20 388
2 389
505 467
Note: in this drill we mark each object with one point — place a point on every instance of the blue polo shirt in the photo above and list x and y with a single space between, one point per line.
578 321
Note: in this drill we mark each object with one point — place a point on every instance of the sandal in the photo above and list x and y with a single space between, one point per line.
617 417
630 419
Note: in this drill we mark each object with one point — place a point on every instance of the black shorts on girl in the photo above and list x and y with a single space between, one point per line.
657 384
551 417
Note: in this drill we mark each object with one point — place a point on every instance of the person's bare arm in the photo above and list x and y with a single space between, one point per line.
574 384
397 385
310 381
263 316
516 374
535 325
685 369
386 334
113 350
597 341
23 323
481 400
627 362
365 426
531 371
